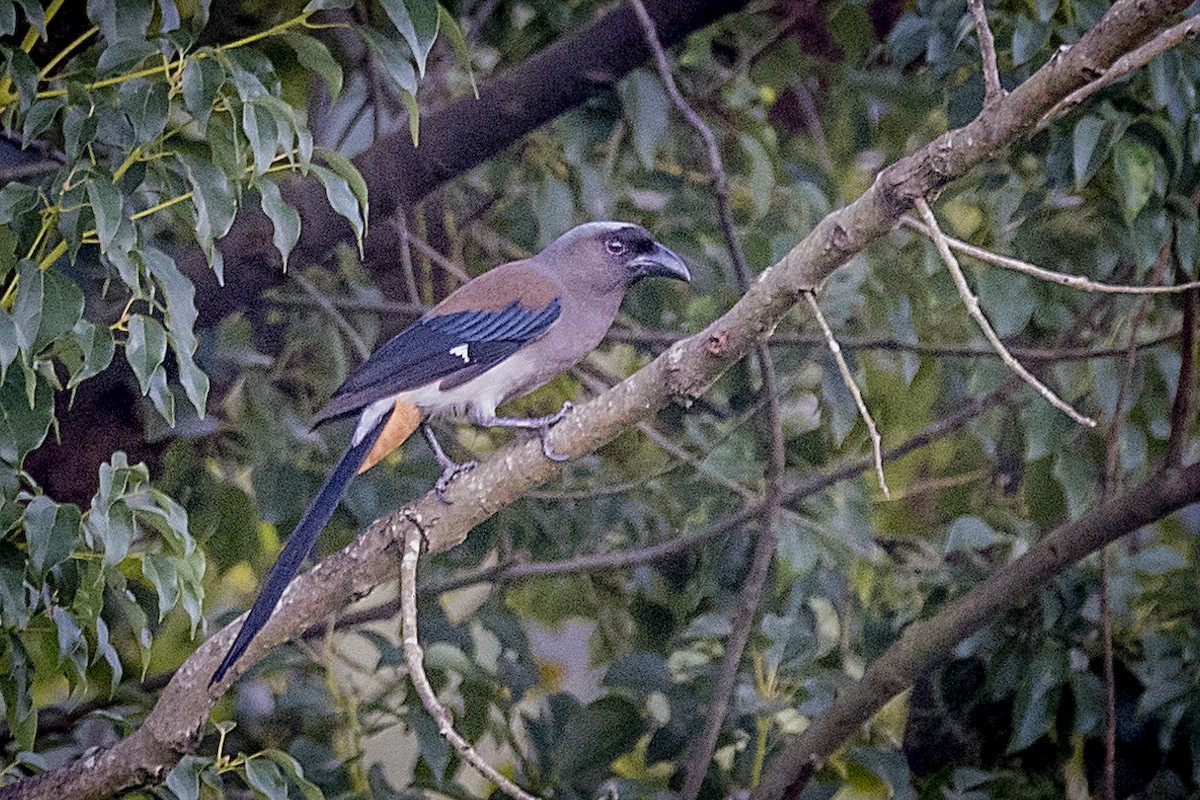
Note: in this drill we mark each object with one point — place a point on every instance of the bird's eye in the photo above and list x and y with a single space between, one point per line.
615 247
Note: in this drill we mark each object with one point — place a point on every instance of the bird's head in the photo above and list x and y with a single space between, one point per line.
614 255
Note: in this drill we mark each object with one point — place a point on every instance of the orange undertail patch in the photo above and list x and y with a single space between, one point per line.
403 421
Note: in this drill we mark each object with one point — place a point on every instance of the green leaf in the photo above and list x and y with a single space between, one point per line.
646 107
105 199
970 533
41 116
291 768
145 348
284 219
35 15
264 777
16 682
125 55
105 650
9 345
24 75
314 56
343 200
762 173
202 79
70 635
459 43
97 348
1087 134
8 17
1005 296
597 734
62 307
1136 171
23 427
417 21
394 59
1157 560
414 115
27 307
554 208
17 199
1029 38
262 133
160 571
184 779
161 396
346 169
51 531
146 104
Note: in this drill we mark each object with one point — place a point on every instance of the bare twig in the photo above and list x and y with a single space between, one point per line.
414 658
788 339
1017 265
1127 63
848 378
972 303
400 220
430 252
331 309
993 91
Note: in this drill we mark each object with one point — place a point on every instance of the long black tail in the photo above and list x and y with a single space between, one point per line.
298 546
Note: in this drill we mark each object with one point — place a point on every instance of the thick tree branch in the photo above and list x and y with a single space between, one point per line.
681 374
928 640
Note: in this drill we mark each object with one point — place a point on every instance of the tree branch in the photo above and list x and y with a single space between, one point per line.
681 374
922 643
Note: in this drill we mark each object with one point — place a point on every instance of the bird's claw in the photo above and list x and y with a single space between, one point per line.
544 431
449 473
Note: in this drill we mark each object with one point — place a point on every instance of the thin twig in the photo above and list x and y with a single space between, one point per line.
972 303
1127 63
329 308
987 53
400 220
790 339
414 658
1017 265
433 255
848 378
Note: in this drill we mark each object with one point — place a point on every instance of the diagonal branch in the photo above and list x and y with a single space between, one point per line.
681 374
924 642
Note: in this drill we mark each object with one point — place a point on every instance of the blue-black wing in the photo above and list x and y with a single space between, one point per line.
453 347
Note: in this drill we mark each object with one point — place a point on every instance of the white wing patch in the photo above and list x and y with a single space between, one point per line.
463 351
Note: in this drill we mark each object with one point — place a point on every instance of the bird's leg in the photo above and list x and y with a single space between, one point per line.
541 424
450 467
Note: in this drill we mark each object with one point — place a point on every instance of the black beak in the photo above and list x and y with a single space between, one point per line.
661 263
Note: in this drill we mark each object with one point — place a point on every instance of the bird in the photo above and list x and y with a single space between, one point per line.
499 336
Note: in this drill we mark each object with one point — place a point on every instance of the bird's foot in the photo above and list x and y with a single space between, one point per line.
450 471
544 431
